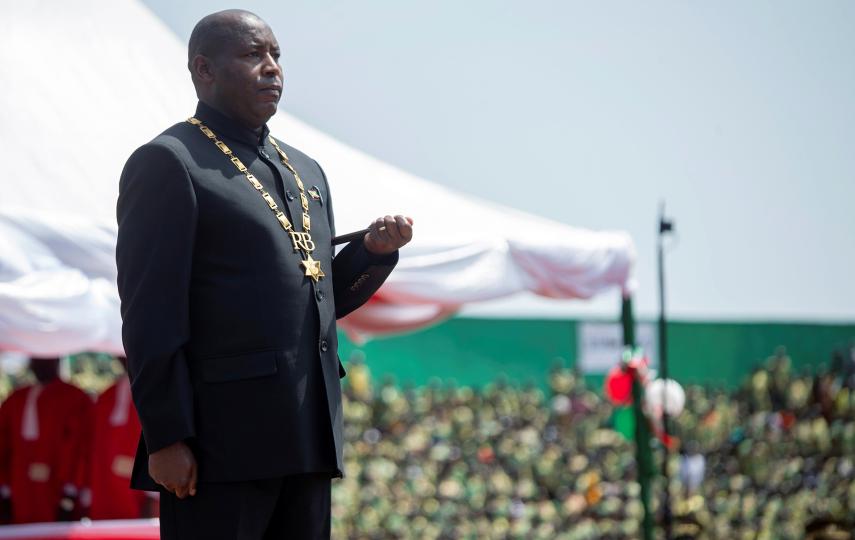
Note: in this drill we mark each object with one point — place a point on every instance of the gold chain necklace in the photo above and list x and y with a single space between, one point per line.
300 240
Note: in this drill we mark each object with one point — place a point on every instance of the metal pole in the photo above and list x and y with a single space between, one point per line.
665 226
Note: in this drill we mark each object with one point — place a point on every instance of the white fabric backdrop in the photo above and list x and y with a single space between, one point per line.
116 77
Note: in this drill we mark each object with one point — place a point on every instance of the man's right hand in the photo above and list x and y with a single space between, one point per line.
174 468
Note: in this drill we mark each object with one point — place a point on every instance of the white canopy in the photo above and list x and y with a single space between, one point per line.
88 81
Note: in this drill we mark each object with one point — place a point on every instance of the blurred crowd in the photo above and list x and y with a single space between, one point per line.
772 459
779 452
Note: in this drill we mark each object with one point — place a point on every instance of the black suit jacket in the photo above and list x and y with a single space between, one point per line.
230 346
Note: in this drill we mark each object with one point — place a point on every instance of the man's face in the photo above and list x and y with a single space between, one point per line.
247 78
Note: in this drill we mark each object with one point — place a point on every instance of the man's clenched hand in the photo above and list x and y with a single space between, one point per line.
174 468
387 234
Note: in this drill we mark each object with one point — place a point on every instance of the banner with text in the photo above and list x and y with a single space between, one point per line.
600 345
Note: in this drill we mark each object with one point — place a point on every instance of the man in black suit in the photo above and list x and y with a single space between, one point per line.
230 294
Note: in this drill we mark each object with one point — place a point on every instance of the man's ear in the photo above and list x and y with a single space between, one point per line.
202 68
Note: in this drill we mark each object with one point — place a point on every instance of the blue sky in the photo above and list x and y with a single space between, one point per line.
739 114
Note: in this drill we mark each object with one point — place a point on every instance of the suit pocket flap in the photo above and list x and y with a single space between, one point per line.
239 366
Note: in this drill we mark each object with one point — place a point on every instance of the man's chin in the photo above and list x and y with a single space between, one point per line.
267 110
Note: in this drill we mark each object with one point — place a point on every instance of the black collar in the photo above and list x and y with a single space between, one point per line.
224 126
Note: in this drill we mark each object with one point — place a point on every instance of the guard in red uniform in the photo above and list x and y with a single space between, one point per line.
44 435
116 433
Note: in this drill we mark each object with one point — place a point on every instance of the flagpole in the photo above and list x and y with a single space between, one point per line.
665 226
643 453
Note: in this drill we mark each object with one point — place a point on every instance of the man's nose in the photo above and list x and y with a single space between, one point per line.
271 67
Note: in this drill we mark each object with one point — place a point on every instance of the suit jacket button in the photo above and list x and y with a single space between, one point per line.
263 152
319 295
324 345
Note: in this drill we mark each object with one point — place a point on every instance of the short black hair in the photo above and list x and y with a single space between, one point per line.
213 31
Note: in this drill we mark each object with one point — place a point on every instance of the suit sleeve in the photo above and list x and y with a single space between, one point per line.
157 215
356 272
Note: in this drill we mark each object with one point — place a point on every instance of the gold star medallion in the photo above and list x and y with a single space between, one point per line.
313 268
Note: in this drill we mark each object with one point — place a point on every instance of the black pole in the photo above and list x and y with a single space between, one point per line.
665 226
